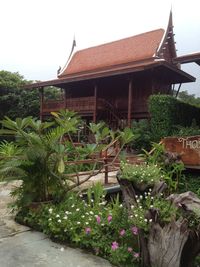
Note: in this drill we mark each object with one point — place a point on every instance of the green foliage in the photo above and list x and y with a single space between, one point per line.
169 163
142 136
191 130
104 228
43 154
147 174
191 99
14 100
166 111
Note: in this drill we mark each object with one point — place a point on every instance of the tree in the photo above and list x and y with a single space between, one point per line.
14 100
189 98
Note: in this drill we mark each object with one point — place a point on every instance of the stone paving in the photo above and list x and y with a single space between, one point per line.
8 226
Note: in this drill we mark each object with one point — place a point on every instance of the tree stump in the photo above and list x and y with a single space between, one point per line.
171 245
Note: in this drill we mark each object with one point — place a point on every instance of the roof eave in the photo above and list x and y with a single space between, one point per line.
113 72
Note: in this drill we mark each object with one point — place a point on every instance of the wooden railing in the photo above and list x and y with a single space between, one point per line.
80 105
52 105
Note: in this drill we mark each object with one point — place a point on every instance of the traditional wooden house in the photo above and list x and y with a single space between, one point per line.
113 81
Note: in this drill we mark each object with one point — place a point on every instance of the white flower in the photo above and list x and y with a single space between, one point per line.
57 216
132 206
59 221
50 219
83 216
92 200
65 230
152 198
77 209
150 189
136 215
145 220
87 213
50 210
102 224
140 207
141 197
86 223
91 212
65 217
90 219
120 205
151 206
62 249
150 220
78 223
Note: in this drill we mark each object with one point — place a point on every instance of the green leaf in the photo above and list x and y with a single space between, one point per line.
61 166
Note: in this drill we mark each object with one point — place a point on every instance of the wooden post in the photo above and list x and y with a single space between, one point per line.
95 104
130 88
106 166
41 90
65 98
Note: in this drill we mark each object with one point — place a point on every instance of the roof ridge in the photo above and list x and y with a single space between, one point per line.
126 38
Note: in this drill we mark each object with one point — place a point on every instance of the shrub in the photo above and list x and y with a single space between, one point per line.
91 223
148 174
142 135
166 111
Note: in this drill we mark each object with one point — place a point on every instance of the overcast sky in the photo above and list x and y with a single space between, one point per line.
36 35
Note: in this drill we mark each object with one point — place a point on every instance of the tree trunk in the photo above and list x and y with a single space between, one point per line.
173 245
166 244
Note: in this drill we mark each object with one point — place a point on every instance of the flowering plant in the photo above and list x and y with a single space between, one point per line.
147 174
105 228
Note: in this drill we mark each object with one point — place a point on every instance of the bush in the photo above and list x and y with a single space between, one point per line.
142 135
166 112
104 228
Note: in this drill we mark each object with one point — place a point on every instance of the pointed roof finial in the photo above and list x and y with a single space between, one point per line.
71 52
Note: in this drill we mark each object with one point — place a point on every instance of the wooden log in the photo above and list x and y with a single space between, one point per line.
166 244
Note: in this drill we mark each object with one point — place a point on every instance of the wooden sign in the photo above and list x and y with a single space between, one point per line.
187 147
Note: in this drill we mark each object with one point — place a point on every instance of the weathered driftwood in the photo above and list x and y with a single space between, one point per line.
172 245
166 244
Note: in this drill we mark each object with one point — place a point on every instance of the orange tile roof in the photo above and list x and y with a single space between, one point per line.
122 52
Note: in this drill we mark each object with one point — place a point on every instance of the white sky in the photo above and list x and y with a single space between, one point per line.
36 35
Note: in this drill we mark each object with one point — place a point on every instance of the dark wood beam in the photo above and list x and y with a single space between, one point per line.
130 88
95 104
41 90
65 98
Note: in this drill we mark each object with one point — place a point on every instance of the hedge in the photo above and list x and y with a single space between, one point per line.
167 111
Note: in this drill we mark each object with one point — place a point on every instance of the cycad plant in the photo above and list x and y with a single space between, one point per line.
36 157
42 153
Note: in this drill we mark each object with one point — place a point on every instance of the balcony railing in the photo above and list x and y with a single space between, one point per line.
80 105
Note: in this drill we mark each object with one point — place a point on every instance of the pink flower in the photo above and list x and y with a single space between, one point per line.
130 249
136 255
134 230
87 230
115 245
122 232
109 218
98 218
